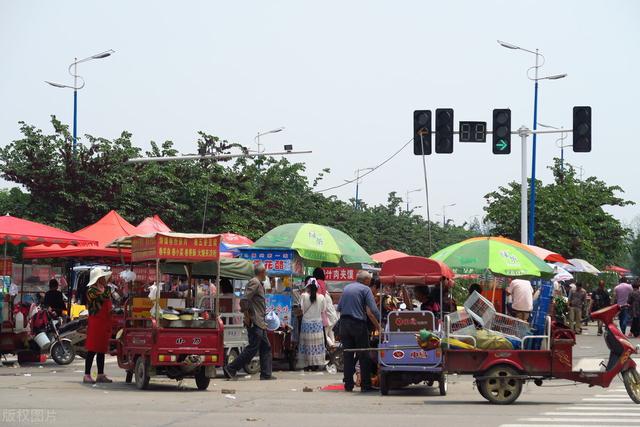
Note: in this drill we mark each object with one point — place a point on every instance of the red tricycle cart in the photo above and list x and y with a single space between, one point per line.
175 338
500 374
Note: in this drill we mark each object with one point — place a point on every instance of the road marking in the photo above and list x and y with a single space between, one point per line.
602 399
590 414
609 407
580 420
612 395
556 425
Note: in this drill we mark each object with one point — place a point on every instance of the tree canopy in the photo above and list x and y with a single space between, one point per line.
570 216
246 196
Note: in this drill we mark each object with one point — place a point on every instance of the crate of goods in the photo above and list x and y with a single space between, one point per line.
480 308
508 325
460 323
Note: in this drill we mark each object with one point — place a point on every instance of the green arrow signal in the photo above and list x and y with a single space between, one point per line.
502 144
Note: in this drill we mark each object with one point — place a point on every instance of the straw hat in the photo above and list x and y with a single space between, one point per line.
97 273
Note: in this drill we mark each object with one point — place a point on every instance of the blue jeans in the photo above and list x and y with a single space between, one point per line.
258 344
623 318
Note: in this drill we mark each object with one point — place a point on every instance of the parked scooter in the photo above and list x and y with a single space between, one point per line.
45 328
620 351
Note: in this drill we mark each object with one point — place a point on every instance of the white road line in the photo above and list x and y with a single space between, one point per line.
590 414
580 420
556 425
600 408
612 395
602 399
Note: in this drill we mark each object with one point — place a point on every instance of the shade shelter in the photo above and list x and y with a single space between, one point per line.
389 254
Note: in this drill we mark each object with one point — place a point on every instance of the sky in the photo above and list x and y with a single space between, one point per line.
343 78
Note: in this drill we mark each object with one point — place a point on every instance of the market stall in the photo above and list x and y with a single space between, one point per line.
177 339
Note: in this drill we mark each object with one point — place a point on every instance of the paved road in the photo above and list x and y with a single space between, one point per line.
53 395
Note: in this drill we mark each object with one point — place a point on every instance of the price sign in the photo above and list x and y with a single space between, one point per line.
473 132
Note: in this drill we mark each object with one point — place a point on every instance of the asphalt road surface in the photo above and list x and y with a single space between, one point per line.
48 394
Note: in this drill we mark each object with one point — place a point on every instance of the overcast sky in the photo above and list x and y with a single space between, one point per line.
343 77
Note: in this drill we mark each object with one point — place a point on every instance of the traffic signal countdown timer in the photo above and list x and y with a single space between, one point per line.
501 141
422 132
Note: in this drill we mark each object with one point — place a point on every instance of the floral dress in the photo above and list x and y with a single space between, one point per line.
311 350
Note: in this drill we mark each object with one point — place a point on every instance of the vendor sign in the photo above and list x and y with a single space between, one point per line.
174 246
281 305
340 274
277 262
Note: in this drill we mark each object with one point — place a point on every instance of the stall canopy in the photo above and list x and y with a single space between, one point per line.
21 231
231 243
414 270
151 224
233 268
389 254
109 227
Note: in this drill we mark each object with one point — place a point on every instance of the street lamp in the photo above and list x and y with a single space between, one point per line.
76 88
407 196
257 137
357 203
536 79
444 213
559 143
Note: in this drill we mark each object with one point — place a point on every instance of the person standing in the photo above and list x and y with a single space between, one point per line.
312 350
99 324
355 300
521 293
601 299
254 307
54 299
621 297
634 309
577 299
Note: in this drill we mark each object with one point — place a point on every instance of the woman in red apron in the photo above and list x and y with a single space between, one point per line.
99 328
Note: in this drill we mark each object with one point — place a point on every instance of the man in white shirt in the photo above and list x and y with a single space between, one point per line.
521 293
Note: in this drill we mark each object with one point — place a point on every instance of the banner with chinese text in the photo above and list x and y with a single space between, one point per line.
175 247
277 262
340 274
281 305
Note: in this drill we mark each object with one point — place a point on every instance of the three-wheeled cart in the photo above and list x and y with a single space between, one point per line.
400 362
188 346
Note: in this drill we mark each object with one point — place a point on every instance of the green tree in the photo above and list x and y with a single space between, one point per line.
570 216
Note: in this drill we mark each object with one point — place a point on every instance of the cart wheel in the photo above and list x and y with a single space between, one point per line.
443 385
430 383
233 355
63 352
481 390
202 381
128 377
338 358
384 383
253 367
498 387
142 373
631 380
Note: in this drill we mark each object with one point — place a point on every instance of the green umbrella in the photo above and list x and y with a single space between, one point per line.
315 243
477 255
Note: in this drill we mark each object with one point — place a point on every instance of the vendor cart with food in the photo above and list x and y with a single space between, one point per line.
174 337
401 365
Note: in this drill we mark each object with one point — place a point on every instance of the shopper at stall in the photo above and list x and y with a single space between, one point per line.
253 306
355 300
318 274
601 299
54 299
577 300
521 293
311 349
99 324
621 297
634 309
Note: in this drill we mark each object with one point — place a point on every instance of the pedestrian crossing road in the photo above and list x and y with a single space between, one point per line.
613 408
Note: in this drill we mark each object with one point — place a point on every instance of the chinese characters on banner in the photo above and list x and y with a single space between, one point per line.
277 263
179 247
281 305
340 274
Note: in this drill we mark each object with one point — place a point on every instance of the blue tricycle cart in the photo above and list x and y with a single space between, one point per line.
401 362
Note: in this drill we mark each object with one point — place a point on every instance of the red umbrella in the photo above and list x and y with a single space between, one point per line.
617 269
387 255
17 231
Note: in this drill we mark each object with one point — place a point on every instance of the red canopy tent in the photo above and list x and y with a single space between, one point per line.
414 270
151 224
108 228
21 231
389 254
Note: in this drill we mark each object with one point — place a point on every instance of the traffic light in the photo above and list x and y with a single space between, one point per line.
501 131
421 132
444 130
582 129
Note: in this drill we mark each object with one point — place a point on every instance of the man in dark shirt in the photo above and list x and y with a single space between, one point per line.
53 298
253 306
356 299
601 299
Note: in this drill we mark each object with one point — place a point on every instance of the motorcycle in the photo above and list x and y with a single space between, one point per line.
48 336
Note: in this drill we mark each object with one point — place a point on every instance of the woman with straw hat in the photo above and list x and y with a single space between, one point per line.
99 325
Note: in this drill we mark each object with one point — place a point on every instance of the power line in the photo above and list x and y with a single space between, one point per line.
373 169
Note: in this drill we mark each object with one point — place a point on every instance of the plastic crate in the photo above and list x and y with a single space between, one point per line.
460 323
541 308
509 326
480 308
